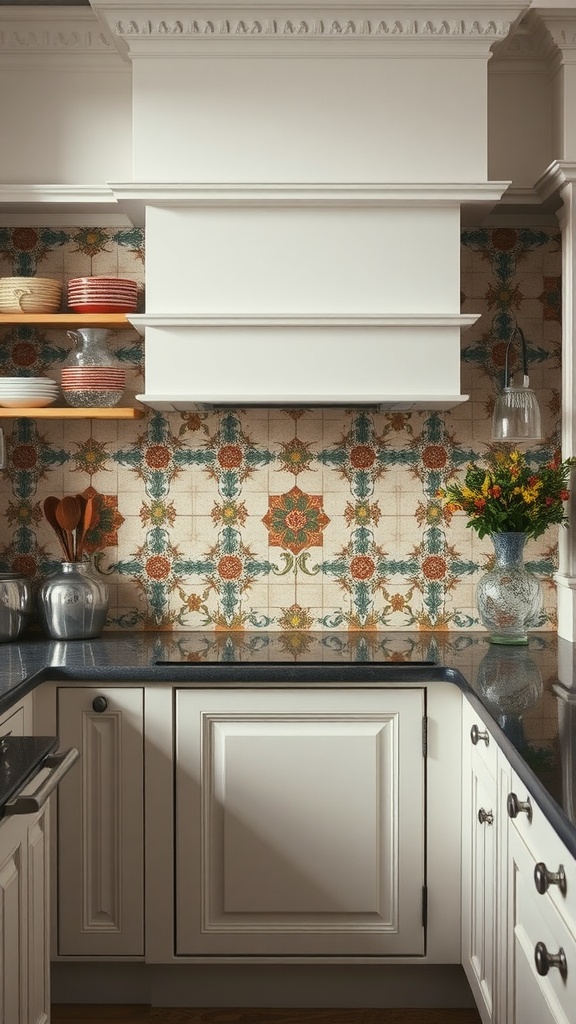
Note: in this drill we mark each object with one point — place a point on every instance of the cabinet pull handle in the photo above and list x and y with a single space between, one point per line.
485 817
476 735
543 878
99 704
515 806
59 764
545 960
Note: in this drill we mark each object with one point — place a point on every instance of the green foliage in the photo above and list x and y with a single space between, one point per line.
510 496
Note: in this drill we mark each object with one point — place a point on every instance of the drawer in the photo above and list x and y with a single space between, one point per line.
477 736
549 856
535 922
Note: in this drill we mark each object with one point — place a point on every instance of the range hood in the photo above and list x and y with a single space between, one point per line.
301 172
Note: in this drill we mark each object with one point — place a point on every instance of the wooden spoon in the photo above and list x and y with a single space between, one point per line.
87 515
50 505
68 515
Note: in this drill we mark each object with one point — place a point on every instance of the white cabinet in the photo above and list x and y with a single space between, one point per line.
24 892
300 822
100 846
24 967
481 826
542 917
518 893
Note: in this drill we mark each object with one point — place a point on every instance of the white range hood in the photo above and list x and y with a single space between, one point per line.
301 172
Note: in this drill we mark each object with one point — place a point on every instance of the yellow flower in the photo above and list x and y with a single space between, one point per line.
468 493
486 485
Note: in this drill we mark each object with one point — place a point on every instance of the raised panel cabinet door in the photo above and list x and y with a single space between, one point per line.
534 998
299 822
101 823
13 924
479 875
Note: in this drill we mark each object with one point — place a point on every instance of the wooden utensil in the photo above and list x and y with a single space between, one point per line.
50 505
68 516
87 515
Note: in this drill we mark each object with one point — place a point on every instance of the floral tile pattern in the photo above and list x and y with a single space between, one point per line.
296 520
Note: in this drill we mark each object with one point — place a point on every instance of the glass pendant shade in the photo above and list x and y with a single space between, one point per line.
516 414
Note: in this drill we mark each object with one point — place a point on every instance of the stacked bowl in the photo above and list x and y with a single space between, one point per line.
30 295
102 295
31 392
84 386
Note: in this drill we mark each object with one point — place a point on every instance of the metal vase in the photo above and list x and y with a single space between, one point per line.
16 605
72 604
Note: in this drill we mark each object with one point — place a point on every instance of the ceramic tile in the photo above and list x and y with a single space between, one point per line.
372 472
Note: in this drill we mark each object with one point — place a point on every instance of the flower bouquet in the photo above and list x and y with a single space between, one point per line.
511 501
510 496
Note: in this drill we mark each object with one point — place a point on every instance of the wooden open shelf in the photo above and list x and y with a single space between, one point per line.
68 412
114 321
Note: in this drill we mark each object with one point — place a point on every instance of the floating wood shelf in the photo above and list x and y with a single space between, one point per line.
55 412
114 321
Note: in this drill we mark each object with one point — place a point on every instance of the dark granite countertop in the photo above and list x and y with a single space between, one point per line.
527 695
20 757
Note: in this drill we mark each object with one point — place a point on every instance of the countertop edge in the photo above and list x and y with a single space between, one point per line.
239 674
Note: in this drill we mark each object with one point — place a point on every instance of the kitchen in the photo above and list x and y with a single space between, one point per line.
193 534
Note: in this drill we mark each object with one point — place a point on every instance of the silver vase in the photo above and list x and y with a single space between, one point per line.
509 597
72 604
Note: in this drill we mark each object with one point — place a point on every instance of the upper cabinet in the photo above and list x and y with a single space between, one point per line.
270 264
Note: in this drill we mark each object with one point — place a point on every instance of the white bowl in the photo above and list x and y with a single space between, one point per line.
29 401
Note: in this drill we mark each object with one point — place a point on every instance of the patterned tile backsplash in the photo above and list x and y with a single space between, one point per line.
287 519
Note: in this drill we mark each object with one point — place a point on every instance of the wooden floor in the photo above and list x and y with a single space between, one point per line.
68 1013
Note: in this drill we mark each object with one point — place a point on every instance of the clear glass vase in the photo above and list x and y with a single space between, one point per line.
73 603
509 598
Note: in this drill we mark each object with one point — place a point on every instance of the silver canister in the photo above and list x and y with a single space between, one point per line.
73 603
16 603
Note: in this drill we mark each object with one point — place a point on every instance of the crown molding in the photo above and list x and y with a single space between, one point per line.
558 174
356 320
134 197
49 32
296 28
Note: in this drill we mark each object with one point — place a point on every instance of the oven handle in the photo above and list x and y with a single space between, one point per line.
30 802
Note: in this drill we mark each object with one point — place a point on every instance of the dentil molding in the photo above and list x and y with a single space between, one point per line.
149 27
56 30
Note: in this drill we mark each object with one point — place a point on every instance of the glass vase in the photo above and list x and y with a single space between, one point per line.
73 603
509 598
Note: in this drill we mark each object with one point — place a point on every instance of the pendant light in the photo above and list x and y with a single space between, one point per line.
516 414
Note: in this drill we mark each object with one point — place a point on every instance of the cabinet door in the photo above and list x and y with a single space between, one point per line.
536 999
100 823
13 923
479 849
14 723
24 966
299 831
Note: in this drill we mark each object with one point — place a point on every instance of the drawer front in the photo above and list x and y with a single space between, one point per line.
553 873
535 922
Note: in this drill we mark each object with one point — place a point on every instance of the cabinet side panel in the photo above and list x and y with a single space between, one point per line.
38 921
100 824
